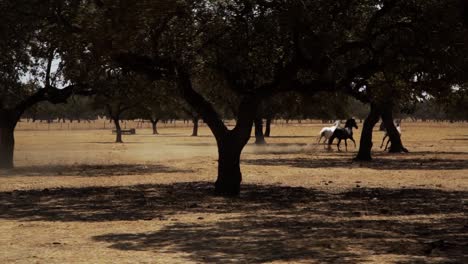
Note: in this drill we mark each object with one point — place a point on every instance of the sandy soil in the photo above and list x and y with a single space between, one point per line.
76 197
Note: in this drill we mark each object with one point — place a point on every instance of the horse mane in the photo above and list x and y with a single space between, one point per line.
348 122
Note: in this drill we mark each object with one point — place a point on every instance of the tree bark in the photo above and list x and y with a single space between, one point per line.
230 142
229 173
154 123
392 132
7 148
195 126
259 138
230 147
268 127
118 130
365 145
8 122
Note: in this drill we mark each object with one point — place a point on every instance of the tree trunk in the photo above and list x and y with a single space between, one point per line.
268 127
7 139
229 173
230 142
259 138
7 147
230 146
365 145
195 126
392 132
154 123
382 126
118 130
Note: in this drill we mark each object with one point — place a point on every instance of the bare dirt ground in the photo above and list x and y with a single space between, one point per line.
76 197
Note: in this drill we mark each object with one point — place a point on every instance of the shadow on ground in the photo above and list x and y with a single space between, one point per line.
296 136
380 163
113 143
265 224
92 170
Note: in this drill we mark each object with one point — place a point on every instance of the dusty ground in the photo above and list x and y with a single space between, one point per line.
75 197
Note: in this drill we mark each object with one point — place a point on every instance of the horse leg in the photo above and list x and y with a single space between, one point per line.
346 144
320 138
352 139
338 145
330 141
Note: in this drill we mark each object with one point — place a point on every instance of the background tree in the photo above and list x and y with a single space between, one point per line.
408 46
29 52
159 103
118 93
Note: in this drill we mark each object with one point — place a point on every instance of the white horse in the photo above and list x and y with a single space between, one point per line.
327 132
398 127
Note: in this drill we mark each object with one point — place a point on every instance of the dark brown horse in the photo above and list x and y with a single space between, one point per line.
344 133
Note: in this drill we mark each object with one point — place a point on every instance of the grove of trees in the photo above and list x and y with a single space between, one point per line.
248 60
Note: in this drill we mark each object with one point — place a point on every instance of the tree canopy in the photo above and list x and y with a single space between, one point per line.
233 58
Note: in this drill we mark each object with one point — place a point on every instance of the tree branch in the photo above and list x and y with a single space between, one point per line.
50 59
153 68
200 104
52 95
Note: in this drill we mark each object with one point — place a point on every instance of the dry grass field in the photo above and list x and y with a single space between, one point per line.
76 197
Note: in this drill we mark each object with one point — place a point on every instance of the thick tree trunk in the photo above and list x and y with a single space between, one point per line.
268 127
392 132
8 122
118 130
230 146
365 145
195 126
229 173
259 138
230 142
154 123
7 147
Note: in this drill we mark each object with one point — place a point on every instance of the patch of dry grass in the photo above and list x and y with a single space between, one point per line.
77 197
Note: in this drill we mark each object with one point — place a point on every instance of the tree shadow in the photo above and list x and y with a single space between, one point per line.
432 153
163 135
266 223
195 144
85 170
297 136
188 135
402 163
113 143
266 146
295 148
